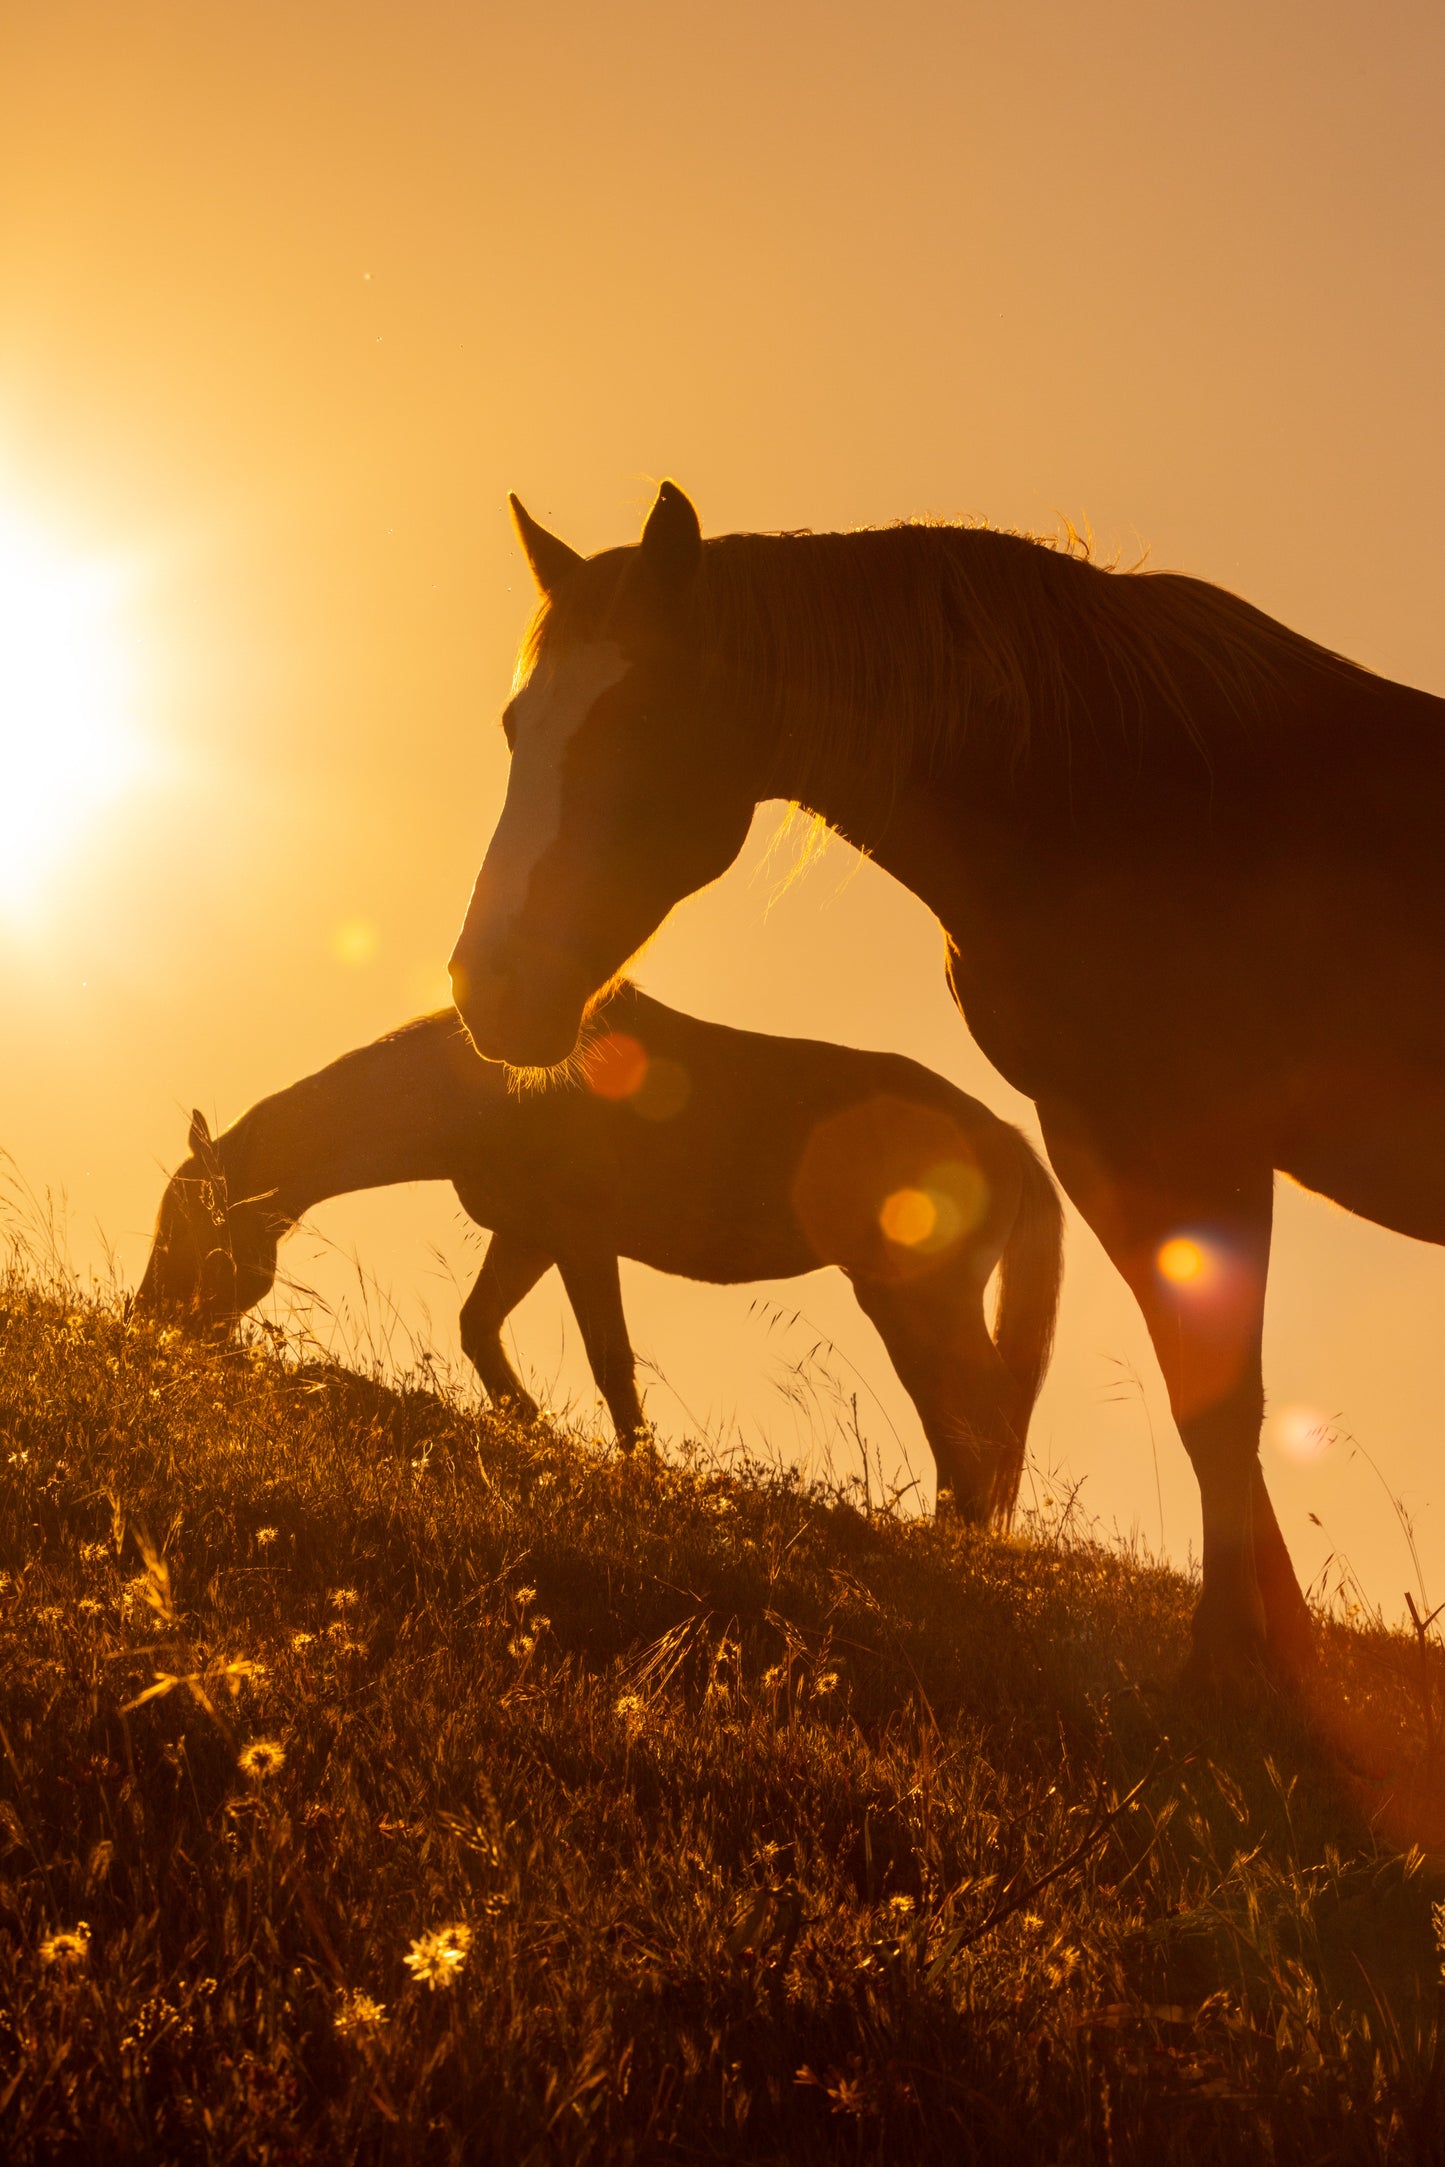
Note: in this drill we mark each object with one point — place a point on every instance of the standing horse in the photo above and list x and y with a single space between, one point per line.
718 1154
1186 861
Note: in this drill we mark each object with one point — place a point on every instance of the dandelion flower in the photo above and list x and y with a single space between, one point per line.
265 1536
526 1596
826 1682
88 1606
436 1958
900 1905
633 1710
262 1759
302 1640
92 1553
69 1948
342 1598
358 2013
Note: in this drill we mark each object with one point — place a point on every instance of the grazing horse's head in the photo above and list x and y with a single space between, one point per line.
621 797
212 1257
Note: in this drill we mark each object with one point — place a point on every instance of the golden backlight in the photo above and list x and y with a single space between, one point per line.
68 748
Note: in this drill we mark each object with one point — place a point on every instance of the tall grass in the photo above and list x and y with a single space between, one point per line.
380 1780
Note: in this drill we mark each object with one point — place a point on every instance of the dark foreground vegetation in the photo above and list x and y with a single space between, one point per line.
382 1782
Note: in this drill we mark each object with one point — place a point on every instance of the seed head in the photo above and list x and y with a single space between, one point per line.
357 2012
262 1759
69 1949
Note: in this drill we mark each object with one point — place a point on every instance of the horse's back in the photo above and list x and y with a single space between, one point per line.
775 1155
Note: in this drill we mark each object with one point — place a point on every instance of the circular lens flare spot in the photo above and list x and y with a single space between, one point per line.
615 1065
355 943
908 1217
663 1091
1183 1261
1302 1434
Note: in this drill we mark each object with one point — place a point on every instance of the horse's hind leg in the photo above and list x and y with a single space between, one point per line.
971 1408
594 1288
510 1270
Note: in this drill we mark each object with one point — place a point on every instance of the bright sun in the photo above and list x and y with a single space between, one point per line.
67 745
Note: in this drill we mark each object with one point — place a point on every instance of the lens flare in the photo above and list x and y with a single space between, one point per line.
1184 1261
67 745
615 1065
1302 1434
355 943
663 1091
908 1217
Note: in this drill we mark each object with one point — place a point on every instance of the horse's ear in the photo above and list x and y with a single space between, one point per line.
552 561
672 541
200 1134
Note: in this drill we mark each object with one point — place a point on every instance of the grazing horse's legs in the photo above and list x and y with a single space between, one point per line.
971 1408
594 1288
1206 1323
510 1270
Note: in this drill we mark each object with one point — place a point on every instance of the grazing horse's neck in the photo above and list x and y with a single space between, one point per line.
398 1110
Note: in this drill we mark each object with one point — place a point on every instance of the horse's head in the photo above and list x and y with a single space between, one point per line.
622 796
212 1257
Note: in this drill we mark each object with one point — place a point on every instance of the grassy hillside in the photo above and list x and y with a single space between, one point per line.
433 1788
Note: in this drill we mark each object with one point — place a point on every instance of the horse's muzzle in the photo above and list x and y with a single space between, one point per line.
527 1014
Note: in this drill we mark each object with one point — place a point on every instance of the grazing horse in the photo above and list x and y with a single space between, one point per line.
717 1154
1186 861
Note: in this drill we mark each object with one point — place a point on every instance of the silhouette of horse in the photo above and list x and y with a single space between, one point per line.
717 1154
1186 861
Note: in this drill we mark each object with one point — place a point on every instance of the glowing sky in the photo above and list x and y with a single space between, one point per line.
294 295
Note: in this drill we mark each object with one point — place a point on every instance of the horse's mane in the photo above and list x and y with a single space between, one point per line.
894 644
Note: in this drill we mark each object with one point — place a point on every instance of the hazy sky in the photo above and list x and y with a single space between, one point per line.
291 295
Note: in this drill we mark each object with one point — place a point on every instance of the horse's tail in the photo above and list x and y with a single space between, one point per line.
1030 1271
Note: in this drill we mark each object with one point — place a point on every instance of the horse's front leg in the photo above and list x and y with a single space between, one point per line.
1190 1232
510 1270
594 1288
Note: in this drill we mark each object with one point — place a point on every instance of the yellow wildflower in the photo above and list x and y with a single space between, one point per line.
437 1958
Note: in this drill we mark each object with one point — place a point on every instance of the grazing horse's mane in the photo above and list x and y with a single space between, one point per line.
892 644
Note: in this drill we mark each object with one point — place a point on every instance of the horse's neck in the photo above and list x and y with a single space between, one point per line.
905 823
399 1110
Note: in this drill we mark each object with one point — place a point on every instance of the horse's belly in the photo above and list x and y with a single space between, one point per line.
1377 1147
724 1247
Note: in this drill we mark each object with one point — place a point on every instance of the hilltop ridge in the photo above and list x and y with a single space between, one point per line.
381 1780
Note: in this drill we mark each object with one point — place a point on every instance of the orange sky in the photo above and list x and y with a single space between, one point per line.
292 295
